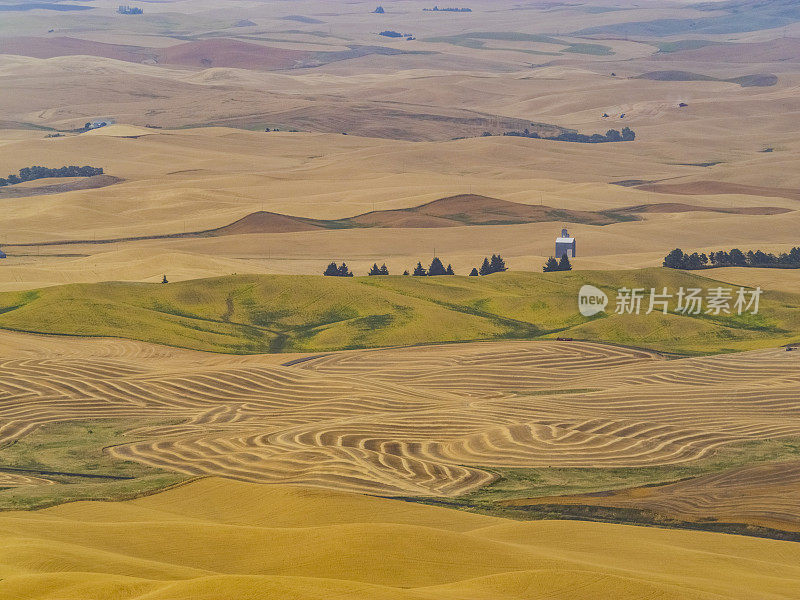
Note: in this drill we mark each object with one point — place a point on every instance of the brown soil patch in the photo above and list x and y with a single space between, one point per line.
472 209
231 53
52 47
203 53
85 183
677 207
269 222
763 495
711 188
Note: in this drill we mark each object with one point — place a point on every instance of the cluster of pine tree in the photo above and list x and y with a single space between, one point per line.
677 259
31 173
335 270
561 264
437 268
375 270
496 264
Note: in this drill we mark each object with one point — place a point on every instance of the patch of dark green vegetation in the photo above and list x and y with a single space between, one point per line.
755 80
737 16
302 19
54 6
680 45
592 49
612 514
472 40
71 455
633 182
477 40
677 259
33 173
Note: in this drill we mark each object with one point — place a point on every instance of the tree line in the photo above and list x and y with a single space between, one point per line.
554 264
495 264
612 135
677 259
31 173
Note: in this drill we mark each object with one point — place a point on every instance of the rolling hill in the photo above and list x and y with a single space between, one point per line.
453 211
250 313
217 538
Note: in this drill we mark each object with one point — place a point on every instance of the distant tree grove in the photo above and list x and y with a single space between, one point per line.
612 135
31 173
554 264
335 270
495 264
677 259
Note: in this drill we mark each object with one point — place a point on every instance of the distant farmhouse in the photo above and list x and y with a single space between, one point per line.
129 10
97 124
565 245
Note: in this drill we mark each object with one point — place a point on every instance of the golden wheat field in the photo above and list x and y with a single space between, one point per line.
221 539
232 150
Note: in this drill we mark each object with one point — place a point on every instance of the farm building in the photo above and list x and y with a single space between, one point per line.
565 245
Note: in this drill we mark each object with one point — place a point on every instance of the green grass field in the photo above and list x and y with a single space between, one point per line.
70 454
281 313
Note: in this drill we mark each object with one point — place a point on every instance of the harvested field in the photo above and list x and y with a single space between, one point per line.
763 495
410 421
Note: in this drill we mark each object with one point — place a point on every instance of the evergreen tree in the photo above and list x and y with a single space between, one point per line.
419 270
374 270
564 264
436 268
406 272
497 264
450 270
332 270
384 270
344 271
692 261
551 265
627 134
486 267
474 272
675 259
737 257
